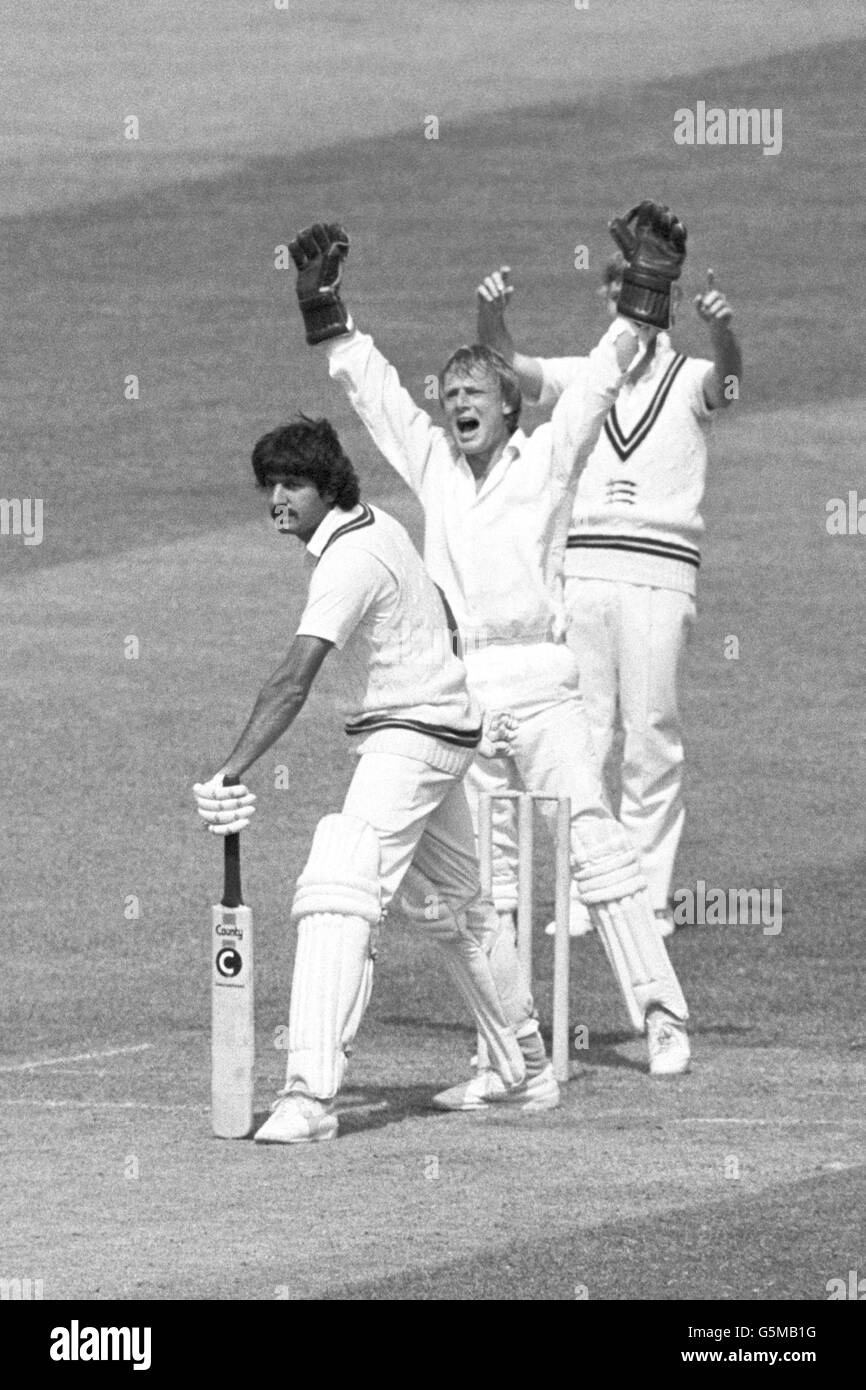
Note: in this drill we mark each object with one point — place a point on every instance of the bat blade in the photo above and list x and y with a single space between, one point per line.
232 1006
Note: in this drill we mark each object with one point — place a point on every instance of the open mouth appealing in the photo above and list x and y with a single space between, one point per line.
468 427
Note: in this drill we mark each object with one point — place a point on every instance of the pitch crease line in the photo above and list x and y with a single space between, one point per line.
101 1104
78 1057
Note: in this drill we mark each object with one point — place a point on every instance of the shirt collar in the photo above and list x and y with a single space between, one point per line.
515 446
645 371
512 450
330 523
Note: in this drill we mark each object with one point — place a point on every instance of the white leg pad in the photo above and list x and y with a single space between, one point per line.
615 891
463 950
336 907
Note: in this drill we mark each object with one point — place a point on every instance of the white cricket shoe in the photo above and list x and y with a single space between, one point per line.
667 1044
298 1119
579 920
540 1092
665 921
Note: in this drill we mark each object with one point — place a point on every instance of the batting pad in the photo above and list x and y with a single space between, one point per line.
615 891
463 950
336 906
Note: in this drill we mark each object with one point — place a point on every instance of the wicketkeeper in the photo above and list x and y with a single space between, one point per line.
496 506
633 548
405 822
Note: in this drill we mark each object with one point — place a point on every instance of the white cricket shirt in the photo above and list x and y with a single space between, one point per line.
371 596
636 514
497 551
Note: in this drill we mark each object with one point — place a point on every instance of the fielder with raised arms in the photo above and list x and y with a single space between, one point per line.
405 822
633 549
496 506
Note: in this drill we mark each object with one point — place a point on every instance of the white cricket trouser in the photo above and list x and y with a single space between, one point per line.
553 755
422 818
420 814
629 640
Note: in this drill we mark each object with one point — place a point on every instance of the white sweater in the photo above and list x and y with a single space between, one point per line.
636 514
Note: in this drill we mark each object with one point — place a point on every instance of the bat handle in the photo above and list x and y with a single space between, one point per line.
232 892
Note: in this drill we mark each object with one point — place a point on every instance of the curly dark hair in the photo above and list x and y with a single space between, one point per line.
308 449
478 358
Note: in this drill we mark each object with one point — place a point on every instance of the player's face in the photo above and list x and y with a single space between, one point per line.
475 411
296 506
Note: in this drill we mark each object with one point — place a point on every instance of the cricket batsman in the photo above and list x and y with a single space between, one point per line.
633 549
405 822
496 506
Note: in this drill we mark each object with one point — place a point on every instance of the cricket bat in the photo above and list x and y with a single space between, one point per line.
232 1011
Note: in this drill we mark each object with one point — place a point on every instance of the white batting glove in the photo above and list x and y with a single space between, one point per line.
498 734
711 304
496 289
224 810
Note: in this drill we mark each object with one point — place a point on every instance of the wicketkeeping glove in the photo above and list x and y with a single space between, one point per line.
654 249
319 252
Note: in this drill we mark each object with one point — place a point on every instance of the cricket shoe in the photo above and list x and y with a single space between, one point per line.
579 920
665 921
298 1119
539 1092
667 1044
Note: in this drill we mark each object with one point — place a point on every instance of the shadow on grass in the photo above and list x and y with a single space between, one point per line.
362 1109
781 1244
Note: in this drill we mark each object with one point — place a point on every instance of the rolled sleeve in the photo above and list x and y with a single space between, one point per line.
340 596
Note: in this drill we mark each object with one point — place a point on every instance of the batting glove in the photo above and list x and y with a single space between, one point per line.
319 252
224 810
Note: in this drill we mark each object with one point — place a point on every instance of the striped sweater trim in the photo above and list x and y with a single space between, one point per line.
357 524
625 444
463 738
644 545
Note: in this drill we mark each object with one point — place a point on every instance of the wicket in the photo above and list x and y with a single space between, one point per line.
525 854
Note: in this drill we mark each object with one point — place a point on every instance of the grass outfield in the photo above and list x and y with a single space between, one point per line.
179 287
214 81
144 505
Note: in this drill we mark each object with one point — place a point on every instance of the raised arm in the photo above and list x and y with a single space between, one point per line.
542 379
581 409
722 381
493 295
404 434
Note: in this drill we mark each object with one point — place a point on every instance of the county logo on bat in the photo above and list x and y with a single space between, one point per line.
232 1005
